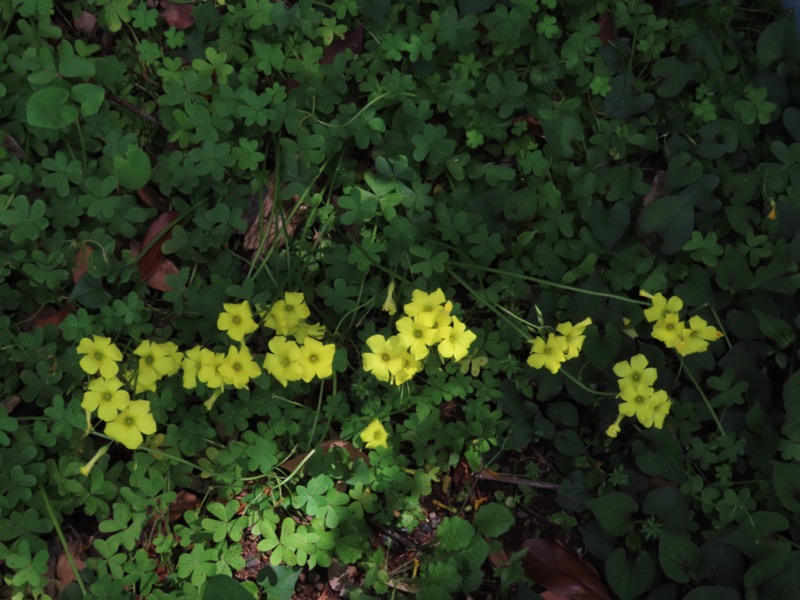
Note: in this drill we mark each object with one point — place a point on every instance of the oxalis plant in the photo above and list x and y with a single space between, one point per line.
388 296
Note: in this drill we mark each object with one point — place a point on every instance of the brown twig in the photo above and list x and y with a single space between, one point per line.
500 477
134 109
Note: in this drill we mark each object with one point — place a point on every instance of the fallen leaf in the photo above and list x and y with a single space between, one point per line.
152 198
342 577
86 23
64 573
561 572
607 34
153 266
184 501
268 228
178 16
81 262
353 39
10 144
10 403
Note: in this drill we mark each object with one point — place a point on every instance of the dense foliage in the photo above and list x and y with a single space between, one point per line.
172 171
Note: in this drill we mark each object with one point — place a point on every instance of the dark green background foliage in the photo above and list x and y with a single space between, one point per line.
468 145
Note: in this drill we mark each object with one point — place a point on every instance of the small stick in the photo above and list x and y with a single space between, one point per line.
134 109
487 475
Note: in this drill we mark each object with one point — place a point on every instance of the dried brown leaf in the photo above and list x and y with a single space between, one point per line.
10 403
178 16
354 453
561 572
267 228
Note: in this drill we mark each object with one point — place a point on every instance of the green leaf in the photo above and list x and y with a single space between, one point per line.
786 483
629 578
278 581
89 96
71 65
561 133
672 217
133 170
713 592
659 454
608 224
224 586
455 533
613 511
791 120
48 109
493 520
678 556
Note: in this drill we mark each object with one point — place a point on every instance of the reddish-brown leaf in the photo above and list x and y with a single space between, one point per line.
86 23
184 501
51 315
178 16
81 262
353 39
151 260
152 198
607 33
561 572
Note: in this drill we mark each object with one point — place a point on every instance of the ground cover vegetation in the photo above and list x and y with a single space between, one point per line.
388 299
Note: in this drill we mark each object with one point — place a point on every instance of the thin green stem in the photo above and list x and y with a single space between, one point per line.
704 397
583 386
547 283
84 160
63 540
297 469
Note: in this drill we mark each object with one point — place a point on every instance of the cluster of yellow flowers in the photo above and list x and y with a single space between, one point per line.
427 323
127 421
639 398
559 347
304 357
686 338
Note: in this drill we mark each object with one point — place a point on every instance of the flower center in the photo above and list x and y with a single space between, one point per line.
107 397
149 360
98 356
639 399
417 333
236 319
385 357
312 358
129 421
237 367
636 377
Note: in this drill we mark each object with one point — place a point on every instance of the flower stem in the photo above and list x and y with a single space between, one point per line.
63 540
547 283
704 397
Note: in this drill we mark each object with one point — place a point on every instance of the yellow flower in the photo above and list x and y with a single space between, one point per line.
105 396
305 330
177 357
548 354
102 356
316 359
639 400
155 360
614 429
424 307
238 367
191 366
661 307
85 469
416 337
208 373
696 336
283 362
389 305
573 334
411 366
375 436
661 408
131 423
635 372
385 360
456 340
669 330
236 320
285 315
